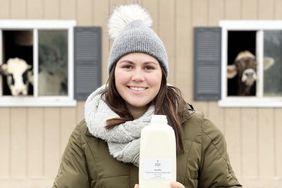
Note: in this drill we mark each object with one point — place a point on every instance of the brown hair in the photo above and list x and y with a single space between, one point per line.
169 102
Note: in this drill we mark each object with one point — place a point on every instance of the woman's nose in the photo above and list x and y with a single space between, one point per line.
138 75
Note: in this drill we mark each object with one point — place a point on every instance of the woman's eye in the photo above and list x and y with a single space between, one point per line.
127 66
149 68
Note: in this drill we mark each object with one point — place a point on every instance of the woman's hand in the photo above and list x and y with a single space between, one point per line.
173 185
176 185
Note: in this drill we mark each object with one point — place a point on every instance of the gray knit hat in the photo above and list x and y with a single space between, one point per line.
129 27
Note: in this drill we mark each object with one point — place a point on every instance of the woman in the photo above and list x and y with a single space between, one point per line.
103 150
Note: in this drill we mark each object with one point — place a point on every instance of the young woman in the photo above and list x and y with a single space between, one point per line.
103 150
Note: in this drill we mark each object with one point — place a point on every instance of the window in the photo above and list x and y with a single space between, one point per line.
254 50
36 59
239 64
48 62
52 63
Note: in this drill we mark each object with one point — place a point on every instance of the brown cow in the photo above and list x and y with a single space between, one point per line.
245 66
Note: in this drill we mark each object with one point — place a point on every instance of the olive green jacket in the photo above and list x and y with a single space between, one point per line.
86 162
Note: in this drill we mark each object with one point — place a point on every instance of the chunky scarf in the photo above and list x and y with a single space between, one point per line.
123 140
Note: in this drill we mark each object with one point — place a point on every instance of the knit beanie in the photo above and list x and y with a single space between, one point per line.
130 29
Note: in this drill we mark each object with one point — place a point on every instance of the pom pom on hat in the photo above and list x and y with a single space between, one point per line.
124 15
130 29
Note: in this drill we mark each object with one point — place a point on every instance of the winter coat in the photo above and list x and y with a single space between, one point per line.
86 162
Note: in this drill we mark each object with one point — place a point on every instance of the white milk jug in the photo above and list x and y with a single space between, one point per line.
157 165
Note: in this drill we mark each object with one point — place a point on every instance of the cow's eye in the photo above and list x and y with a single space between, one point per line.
10 79
25 77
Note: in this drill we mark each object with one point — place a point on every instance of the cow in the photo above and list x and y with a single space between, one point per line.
18 75
245 68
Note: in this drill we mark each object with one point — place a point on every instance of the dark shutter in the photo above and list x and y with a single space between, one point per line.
87 61
207 63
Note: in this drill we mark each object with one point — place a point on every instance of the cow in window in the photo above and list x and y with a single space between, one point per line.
18 75
245 68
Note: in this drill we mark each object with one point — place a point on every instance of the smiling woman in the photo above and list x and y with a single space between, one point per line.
138 81
103 150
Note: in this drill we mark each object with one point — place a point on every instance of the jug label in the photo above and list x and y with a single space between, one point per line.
157 169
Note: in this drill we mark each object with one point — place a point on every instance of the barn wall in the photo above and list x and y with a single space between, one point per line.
32 139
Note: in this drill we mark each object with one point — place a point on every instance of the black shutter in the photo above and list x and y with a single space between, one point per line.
87 61
207 63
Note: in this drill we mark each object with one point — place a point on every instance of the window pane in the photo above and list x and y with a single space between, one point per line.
272 63
53 63
240 60
17 55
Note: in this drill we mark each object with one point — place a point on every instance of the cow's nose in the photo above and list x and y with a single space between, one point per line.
19 92
249 73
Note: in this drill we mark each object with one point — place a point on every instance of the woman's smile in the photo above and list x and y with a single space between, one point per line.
137 88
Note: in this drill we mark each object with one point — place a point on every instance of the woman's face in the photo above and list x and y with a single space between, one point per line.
138 79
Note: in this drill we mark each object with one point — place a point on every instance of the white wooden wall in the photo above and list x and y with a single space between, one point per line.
32 139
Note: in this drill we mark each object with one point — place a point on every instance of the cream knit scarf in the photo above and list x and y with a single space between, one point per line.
123 140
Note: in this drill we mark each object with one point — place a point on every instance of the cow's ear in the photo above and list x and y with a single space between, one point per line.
3 69
231 71
268 62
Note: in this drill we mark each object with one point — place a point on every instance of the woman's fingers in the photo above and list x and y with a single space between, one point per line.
177 185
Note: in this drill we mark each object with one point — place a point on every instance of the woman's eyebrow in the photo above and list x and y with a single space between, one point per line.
151 62
126 61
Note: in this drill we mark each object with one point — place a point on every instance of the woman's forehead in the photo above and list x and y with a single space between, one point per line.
138 57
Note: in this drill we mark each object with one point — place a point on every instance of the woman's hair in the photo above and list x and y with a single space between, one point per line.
169 102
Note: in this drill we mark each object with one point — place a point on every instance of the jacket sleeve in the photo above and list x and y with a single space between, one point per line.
215 169
72 172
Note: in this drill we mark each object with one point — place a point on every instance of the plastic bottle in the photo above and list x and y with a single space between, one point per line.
157 164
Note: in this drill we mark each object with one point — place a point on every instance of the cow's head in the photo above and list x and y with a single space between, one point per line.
18 75
245 67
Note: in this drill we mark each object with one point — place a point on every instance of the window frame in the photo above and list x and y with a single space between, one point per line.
35 26
247 25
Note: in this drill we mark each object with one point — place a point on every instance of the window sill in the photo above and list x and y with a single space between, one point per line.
36 102
249 102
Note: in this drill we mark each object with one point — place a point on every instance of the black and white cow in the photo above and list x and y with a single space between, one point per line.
18 75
